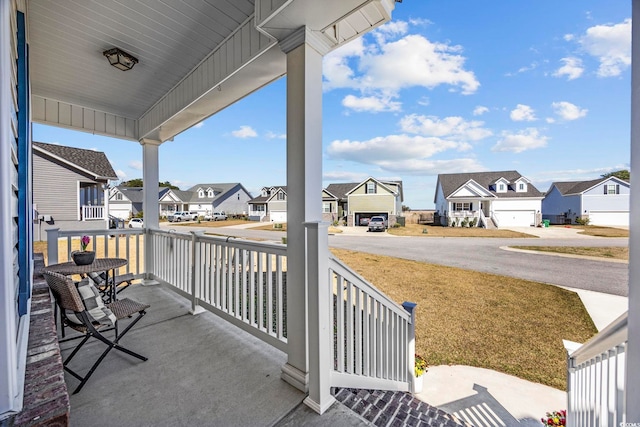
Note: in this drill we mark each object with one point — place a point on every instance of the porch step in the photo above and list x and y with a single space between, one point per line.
490 224
394 408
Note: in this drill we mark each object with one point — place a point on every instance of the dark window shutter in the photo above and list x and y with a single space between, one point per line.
617 188
606 189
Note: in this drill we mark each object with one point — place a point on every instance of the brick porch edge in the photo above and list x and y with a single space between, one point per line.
46 400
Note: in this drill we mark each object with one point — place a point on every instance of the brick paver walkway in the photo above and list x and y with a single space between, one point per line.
395 409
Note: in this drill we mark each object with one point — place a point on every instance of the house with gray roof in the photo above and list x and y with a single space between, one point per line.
357 202
70 188
126 202
604 201
270 205
348 203
231 198
488 199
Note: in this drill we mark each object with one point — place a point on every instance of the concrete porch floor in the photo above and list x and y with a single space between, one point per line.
201 371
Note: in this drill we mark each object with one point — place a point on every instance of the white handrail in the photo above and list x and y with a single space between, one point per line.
373 337
596 386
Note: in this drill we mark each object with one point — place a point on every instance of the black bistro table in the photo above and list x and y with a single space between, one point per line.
98 265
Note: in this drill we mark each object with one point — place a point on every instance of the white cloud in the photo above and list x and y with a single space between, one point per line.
273 135
433 167
344 176
389 148
385 67
373 104
527 139
572 68
135 164
523 113
568 111
610 45
480 110
198 125
449 127
244 132
529 67
390 29
122 175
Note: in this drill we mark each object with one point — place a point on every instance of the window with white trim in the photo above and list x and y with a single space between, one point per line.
209 193
326 207
462 206
280 196
201 193
371 188
118 196
612 189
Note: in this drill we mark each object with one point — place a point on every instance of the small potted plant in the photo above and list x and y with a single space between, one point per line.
555 418
420 367
83 257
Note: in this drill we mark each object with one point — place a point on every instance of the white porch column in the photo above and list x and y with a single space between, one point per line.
304 187
633 349
150 180
320 327
105 204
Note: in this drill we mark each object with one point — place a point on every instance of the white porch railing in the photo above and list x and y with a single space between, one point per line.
242 281
495 220
596 378
459 216
372 343
90 213
373 340
121 243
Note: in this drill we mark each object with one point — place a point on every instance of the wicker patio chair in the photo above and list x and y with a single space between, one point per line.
82 309
104 282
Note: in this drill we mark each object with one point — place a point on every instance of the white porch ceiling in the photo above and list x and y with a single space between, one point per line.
195 57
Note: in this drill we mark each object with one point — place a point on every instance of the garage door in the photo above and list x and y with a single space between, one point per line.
278 216
515 218
608 218
119 213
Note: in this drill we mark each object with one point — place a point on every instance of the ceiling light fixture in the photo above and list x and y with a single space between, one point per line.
120 59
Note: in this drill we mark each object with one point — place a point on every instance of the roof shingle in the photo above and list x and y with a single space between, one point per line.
92 161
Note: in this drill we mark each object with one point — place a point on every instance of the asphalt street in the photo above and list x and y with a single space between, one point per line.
478 254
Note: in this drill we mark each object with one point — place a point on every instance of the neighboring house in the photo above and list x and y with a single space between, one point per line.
604 201
347 202
126 202
230 198
488 199
356 202
173 200
70 187
270 205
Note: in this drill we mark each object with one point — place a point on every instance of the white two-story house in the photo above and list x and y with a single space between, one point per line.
488 199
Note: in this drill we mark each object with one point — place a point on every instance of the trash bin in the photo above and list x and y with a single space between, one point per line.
545 223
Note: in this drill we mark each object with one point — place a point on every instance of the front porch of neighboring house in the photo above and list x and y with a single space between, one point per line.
93 197
469 213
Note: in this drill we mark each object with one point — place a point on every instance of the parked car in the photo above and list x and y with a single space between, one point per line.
364 221
193 215
216 216
377 223
136 223
180 216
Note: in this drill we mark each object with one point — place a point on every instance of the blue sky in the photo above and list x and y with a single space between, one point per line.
542 87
